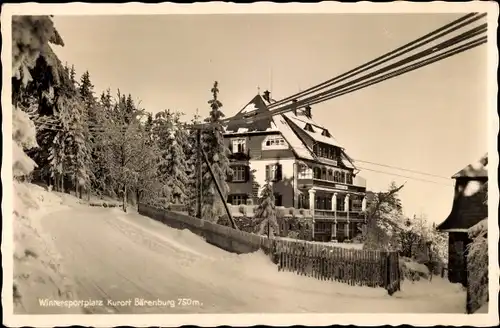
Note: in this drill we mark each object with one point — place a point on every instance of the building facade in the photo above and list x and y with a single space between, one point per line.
469 207
307 166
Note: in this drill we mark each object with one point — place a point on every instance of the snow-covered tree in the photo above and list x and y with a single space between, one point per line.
131 161
36 71
266 212
192 160
477 264
384 220
217 152
173 167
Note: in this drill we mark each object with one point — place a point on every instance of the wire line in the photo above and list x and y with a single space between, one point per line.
391 55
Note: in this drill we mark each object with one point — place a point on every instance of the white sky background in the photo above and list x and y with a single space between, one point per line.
431 120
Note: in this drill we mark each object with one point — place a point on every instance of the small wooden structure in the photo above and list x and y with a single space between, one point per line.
469 207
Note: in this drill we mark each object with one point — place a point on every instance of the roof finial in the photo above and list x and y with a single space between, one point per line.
258 90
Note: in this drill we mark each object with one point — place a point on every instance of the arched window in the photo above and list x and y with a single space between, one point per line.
348 178
323 174
330 175
342 177
317 173
336 177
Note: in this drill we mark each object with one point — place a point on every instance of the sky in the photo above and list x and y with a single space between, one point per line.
431 120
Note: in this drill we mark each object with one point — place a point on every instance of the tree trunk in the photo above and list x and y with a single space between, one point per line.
62 182
125 198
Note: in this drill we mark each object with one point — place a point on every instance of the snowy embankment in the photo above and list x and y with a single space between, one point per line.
37 271
115 256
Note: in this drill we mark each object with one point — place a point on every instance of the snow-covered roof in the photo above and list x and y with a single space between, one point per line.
285 124
254 107
317 135
474 170
295 143
347 161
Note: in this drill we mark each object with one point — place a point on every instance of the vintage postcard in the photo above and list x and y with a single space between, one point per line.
241 164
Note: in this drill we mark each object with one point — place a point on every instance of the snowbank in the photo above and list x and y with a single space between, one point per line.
37 272
412 270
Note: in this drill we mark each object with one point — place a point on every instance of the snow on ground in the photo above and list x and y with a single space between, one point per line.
37 270
417 267
116 256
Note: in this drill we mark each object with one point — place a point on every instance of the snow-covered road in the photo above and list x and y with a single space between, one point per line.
116 258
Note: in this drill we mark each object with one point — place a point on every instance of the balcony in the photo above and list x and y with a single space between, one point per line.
340 215
243 155
357 185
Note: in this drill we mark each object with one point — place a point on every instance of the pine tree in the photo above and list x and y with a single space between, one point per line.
72 74
266 211
106 101
217 152
173 167
36 71
85 140
192 161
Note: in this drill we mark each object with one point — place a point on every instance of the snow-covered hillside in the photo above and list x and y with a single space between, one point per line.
37 270
119 257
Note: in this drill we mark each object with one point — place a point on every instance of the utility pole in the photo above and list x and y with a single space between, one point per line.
199 176
223 199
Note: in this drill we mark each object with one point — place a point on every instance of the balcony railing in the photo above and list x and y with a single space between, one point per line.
353 215
309 182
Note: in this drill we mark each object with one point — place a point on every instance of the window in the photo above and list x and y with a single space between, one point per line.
275 142
342 177
309 128
317 173
305 172
323 174
336 176
355 203
303 201
330 175
240 174
278 200
340 203
348 178
274 172
237 199
239 145
326 133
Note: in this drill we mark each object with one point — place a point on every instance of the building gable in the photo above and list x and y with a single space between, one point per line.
256 106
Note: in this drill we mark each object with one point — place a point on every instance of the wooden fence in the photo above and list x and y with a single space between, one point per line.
324 262
351 266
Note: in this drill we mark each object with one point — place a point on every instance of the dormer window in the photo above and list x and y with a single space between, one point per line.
326 133
274 142
239 145
309 128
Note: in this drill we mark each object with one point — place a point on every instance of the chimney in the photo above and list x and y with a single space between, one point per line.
294 107
267 96
307 111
